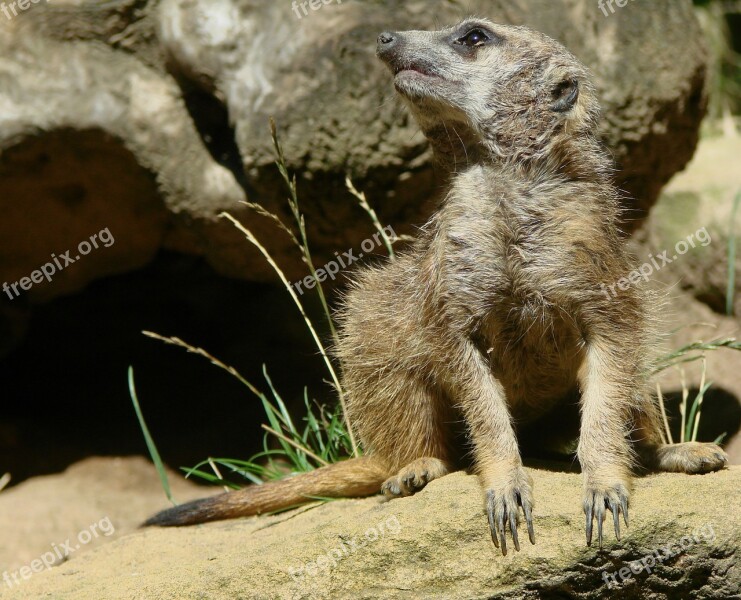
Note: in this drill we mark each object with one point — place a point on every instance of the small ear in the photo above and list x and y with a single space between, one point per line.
565 95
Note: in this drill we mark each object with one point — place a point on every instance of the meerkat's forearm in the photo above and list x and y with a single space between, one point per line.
483 402
606 384
604 451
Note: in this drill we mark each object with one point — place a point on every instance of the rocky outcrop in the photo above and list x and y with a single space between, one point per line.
683 542
150 118
44 512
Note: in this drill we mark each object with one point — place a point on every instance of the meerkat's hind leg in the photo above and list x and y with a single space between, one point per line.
684 457
414 476
689 457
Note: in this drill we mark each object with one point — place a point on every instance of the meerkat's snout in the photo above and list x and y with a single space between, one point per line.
415 61
403 56
388 46
386 43
390 49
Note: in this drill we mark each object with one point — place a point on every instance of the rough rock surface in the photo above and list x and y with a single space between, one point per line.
50 509
150 118
431 545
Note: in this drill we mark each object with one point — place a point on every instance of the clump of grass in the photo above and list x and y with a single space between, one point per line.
321 440
322 350
690 421
324 436
690 414
323 430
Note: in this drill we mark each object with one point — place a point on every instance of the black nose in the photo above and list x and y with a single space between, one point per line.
388 42
386 38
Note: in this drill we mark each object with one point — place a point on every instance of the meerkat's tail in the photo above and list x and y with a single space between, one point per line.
355 477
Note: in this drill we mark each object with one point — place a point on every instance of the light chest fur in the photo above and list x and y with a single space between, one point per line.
511 259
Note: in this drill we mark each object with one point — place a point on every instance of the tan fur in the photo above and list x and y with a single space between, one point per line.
356 477
495 316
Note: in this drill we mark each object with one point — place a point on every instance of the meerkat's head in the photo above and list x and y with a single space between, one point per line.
515 92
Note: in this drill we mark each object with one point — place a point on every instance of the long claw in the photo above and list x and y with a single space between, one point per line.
590 516
490 517
513 528
600 521
615 517
502 536
529 521
503 503
624 506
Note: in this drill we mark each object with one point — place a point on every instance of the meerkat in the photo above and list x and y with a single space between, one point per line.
495 315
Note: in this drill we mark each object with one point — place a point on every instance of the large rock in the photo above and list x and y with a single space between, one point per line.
44 512
150 118
684 529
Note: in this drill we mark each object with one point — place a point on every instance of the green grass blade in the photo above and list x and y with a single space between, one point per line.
148 438
249 470
691 433
275 420
210 477
684 354
314 428
283 410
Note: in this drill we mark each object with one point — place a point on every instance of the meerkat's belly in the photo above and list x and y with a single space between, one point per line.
535 350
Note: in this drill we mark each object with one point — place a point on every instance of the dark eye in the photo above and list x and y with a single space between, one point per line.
475 37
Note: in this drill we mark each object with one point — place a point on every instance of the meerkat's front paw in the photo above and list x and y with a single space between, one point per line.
690 457
600 497
504 498
414 477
